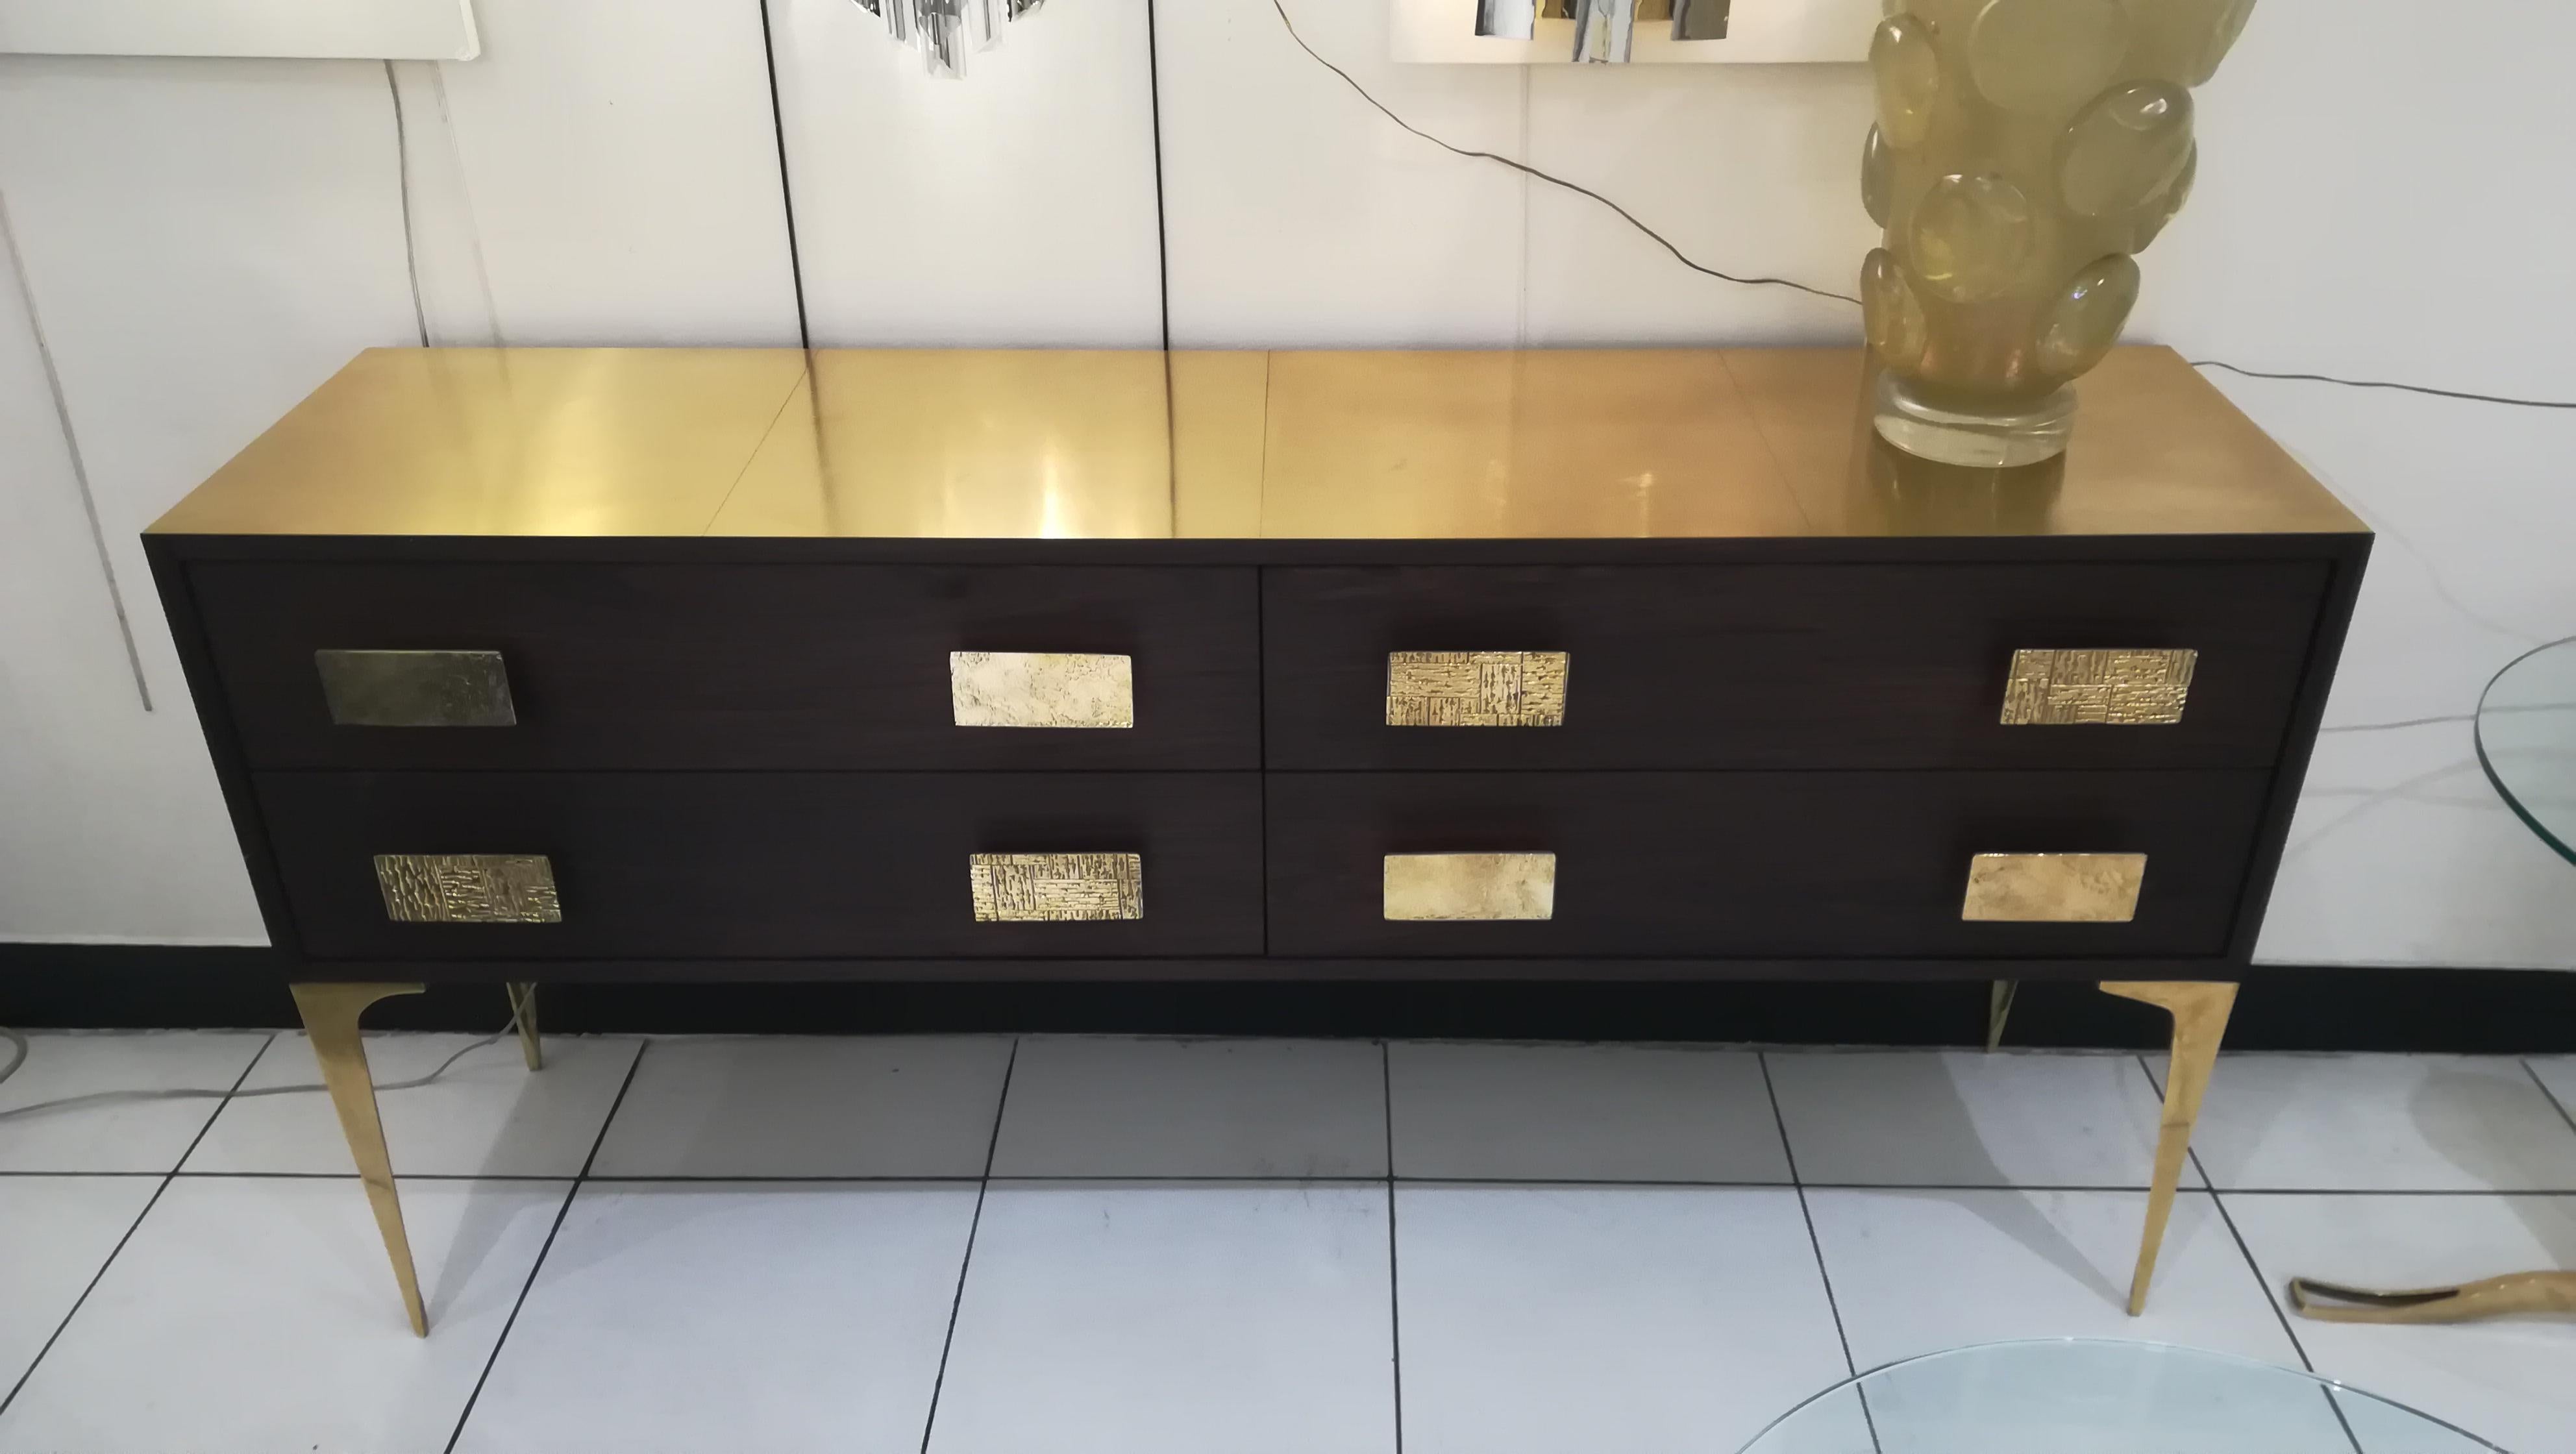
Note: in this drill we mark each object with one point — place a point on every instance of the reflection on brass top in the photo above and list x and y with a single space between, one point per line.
2062 888
2115 688
416 688
1462 886
468 888
1041 689
1013 888
1475 688
1071 445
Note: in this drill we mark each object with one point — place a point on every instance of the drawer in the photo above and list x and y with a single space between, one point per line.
754 865
752 666
1856 666
1758 865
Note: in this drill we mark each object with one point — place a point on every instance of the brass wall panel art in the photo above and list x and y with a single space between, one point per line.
416 688
468 888
1476 688
1458 887
1041 689
1045 888
2054 888
2099 688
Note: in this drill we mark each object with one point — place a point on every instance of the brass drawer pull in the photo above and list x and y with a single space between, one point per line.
2114 688
1476 688
1048 888
416 688
1464 886
1041 689
468 888
2054 888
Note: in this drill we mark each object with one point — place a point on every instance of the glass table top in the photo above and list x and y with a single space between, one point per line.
2077 1396
2527 740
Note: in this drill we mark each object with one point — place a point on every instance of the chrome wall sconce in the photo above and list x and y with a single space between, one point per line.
1604 30
948 31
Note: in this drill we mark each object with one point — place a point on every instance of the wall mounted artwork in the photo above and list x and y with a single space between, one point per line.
399 30
1531 32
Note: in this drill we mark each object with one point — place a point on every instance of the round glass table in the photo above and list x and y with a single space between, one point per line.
2078 1396
2527 741
2526 736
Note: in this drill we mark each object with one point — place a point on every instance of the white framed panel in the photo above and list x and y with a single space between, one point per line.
1444 31
402 30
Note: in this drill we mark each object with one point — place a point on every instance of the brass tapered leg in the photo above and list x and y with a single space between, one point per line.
523 1013
331 1014
2200 1021
1998 1010
2496 1297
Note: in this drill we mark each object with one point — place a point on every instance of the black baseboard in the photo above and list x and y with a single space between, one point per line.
2454 1010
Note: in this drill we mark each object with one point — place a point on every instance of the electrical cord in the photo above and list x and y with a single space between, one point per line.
20 1051
1555 181
1696 266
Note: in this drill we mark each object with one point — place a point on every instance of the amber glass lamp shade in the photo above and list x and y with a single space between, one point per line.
2026 151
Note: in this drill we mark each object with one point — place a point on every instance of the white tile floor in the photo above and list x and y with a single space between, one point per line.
1057 1246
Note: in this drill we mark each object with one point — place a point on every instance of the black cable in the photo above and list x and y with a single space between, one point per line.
2211 363
402 176
1686 261
1527 170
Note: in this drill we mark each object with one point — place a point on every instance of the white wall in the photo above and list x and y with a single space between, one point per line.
208 239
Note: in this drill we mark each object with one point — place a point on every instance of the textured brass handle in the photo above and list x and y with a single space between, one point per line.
1467 886
468 888
2054 888
1041 689
416 688
1476 688
2102 688
1049 888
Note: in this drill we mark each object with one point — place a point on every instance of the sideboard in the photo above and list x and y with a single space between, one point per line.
527 664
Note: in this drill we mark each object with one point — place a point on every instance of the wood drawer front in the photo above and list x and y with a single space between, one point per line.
786 865
749 666
1756 864
1858 666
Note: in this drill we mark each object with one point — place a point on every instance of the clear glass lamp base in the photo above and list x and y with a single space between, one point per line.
1981 441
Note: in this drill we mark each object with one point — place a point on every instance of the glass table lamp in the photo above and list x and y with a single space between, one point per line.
2026 151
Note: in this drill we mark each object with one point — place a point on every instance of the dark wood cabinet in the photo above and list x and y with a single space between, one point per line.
1758 711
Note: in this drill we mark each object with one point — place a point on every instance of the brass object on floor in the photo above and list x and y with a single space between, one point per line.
1047 888
2200 1012
523 1016
1476 688
1457 887
2494 1297
1041 689
416 688
468 888
2054 888
2098 688
330 1013
1999 1003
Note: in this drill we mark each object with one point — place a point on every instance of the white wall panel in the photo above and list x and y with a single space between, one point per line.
1753 170
1299 216
1013 207
616 176
206 241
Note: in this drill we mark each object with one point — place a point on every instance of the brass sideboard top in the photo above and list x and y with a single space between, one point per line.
1062 444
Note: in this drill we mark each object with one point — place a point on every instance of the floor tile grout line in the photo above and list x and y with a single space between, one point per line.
1816 1244
1394 1287
966 1259
571 1194
167 1178
2552 1096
